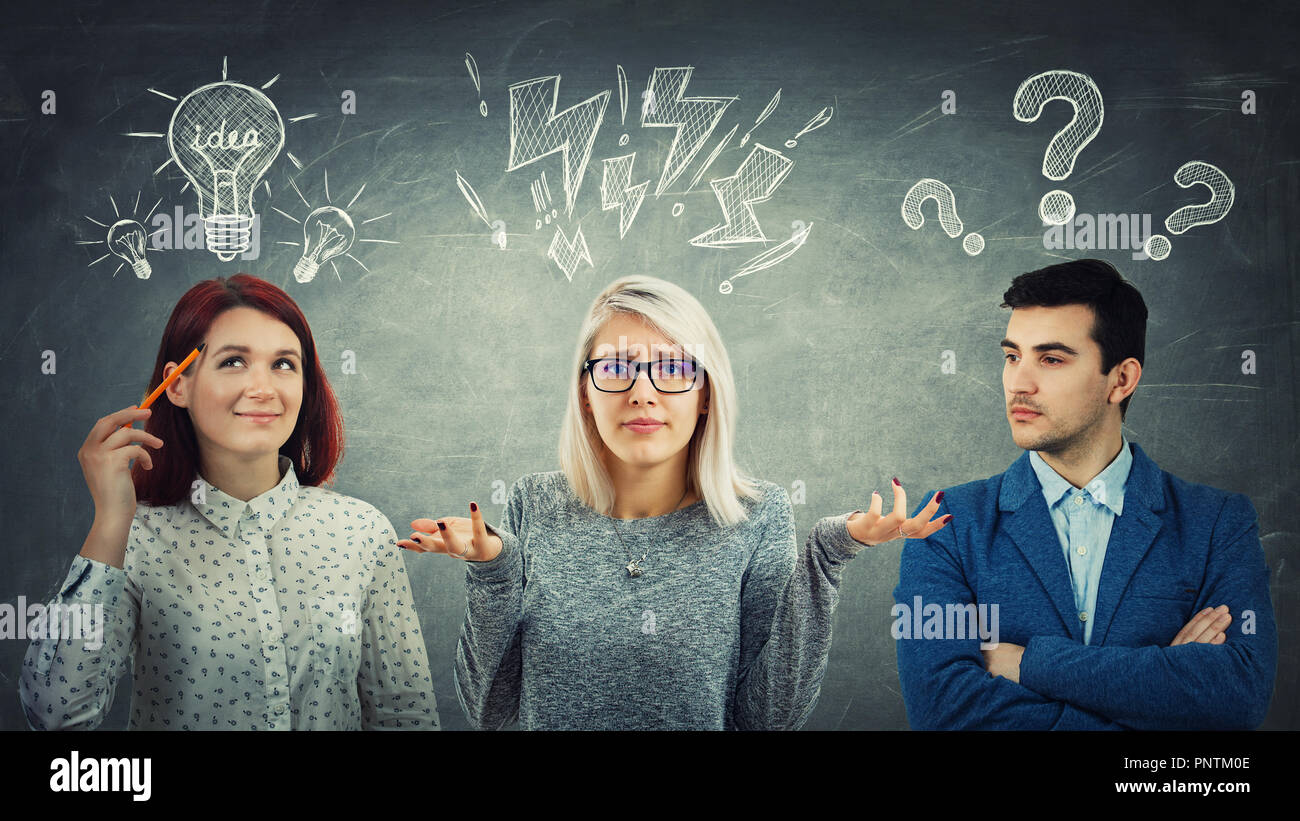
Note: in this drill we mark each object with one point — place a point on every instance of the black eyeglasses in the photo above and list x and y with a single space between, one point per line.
612 375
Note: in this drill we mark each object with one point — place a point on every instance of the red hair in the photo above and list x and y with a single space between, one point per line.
316 445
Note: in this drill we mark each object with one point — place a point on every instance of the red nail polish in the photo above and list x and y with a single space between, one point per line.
939 497
897 482
947 519
473 507
442 526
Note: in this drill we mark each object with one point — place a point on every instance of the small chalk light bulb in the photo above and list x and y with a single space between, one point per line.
126 240
326 233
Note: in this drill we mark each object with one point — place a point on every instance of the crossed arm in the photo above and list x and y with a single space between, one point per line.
1206 627
945 683
1212 676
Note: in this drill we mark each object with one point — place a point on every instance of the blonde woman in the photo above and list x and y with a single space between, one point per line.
650 583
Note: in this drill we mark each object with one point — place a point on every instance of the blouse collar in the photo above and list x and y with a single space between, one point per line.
225 511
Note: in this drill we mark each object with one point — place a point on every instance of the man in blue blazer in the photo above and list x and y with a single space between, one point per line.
1084 588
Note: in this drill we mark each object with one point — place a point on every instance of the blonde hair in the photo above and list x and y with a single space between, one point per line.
711 468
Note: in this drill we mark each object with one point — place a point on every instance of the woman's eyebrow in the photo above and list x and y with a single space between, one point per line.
608 351
659 356
246 349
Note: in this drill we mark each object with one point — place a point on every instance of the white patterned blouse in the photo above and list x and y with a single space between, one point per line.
289 611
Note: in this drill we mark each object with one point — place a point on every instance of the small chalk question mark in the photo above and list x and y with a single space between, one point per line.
499 234
1222 194
1057 207
930 189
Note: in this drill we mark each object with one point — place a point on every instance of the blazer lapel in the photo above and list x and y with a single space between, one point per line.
1030 526
1131 536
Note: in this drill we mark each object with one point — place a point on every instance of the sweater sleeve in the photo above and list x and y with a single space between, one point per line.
1192 686
788 599
489 664
944 681
81 644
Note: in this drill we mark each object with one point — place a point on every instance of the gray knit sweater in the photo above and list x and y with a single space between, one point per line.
727 628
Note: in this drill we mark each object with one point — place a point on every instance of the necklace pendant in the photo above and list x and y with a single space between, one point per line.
634 568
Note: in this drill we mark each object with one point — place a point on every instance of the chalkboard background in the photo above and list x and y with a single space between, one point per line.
461 346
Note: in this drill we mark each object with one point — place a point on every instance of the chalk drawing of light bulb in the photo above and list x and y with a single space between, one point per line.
224 136
326 233
126 240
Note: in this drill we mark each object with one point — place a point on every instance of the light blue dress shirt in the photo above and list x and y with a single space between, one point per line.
1083 518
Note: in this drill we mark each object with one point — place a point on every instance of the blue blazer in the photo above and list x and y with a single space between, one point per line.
1177 549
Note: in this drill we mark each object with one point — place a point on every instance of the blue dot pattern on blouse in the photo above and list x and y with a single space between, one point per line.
290 611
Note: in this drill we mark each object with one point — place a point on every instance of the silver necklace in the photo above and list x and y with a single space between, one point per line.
634 565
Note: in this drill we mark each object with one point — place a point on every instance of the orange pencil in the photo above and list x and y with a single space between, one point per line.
157 392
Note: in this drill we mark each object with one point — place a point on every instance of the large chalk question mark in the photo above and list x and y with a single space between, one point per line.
1222 193
1057 207
928 189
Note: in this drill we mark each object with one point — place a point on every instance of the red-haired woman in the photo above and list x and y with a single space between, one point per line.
239 592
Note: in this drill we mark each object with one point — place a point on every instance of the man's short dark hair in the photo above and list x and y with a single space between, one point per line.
1120 316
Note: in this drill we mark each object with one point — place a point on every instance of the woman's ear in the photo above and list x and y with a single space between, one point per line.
177 391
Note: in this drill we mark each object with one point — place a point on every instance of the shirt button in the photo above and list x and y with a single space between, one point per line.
1078 500
1083 616
1082 550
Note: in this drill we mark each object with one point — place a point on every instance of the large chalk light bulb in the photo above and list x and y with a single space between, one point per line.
126 240
224 136
326 233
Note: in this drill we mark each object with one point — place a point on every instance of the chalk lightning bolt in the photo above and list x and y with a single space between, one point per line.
568 254
617 191
537 131
758 176
693 117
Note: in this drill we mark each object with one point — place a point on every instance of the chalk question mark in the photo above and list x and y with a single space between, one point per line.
1057 207
499 234
1222 193
928 189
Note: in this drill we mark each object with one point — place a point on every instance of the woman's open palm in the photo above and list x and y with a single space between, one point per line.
462 538
871 528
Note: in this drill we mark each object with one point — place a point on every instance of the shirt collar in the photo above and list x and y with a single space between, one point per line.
225 511
1106 488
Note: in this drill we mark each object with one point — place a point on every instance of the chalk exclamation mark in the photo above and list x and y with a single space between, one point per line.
472 67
